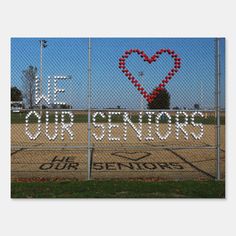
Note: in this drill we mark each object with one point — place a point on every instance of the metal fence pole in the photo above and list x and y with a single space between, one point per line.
218 75
41 74
89 109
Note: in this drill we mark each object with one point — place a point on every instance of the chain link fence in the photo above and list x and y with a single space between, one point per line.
117 108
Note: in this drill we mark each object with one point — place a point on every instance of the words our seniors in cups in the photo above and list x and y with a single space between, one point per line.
107 129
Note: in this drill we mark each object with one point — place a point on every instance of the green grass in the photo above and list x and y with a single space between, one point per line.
19 118
118 189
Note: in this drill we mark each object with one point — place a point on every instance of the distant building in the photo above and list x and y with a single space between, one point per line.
17 106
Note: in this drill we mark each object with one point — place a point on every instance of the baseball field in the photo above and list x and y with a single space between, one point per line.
169 159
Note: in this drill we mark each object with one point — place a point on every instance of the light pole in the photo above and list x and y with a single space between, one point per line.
141 75
43 44
201 95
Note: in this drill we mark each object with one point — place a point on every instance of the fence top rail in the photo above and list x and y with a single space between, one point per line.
122 110
105 147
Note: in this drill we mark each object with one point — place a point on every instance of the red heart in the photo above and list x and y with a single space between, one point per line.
164 82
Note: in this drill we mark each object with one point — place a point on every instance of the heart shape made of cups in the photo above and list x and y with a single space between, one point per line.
150 97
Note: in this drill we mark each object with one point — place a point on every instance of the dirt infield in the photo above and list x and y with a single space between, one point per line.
118 159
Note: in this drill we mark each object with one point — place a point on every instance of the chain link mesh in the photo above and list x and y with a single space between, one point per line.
132 134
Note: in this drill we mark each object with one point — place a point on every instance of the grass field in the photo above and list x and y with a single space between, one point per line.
118 189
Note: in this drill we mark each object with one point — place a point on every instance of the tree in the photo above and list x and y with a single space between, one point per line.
62 106
44 107
161 101
16 94
28 80
175 108
65 106
196 106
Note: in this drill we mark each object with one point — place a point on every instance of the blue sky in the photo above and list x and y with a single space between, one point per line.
194 83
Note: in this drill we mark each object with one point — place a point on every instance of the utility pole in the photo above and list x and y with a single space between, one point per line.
202 95
43 44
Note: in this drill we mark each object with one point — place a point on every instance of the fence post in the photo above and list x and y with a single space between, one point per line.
89 109
218 75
